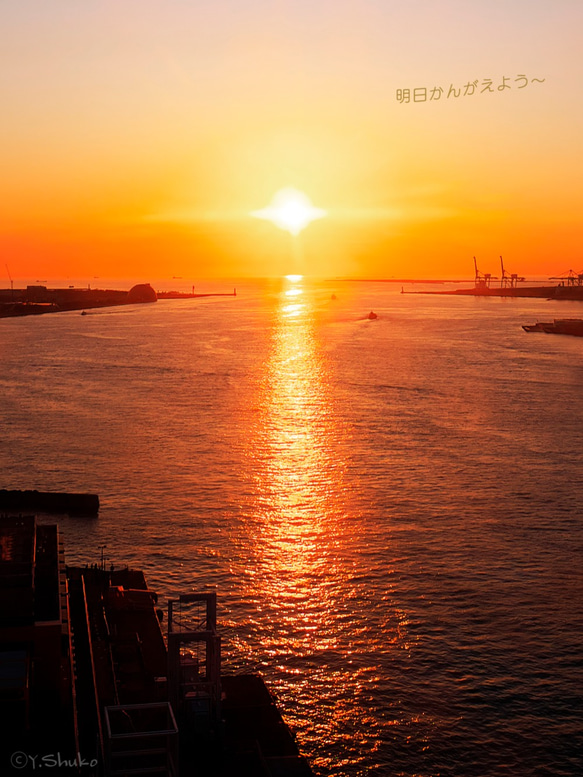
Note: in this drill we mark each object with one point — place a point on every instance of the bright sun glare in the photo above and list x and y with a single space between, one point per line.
291 210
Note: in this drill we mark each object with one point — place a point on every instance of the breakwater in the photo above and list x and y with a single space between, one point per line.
49 502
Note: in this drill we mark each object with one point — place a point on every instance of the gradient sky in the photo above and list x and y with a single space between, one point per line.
137 136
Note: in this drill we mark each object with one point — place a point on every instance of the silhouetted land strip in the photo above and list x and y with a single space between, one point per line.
38 300
35 300
49 502
400 280
192 295
566 292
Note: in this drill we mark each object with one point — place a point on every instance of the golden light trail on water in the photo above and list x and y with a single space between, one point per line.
300 481
302 529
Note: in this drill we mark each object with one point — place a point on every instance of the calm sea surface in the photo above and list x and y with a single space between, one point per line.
389 510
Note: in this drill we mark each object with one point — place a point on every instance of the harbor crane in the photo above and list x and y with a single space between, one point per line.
11 282
482 280
573 278
509 281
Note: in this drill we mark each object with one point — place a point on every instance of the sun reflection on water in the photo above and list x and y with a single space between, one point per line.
303 534
300 480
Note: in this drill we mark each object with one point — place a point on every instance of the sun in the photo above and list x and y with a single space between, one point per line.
290 210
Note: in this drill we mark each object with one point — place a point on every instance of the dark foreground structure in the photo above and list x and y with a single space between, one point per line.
90 686
49 502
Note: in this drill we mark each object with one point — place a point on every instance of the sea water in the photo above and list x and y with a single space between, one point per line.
389 509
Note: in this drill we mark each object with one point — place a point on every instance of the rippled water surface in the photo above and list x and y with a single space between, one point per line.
389 510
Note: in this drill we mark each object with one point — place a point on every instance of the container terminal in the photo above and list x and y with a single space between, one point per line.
569 286
90 682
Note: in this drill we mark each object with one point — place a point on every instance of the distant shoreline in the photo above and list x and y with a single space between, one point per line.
397 280
469 281
40 300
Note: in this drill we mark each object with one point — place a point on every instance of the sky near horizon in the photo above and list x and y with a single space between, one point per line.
138 135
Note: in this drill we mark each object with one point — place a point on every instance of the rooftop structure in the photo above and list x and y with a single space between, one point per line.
86 672
36 692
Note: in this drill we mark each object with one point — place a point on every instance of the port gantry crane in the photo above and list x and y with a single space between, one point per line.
481 279
11 282
573 278
509 281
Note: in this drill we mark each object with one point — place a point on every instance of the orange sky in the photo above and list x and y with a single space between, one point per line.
137 137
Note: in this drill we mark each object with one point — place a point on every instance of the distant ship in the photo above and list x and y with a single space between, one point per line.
371 316
560 326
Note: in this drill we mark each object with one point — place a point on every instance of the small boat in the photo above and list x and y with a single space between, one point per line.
372 315
83 312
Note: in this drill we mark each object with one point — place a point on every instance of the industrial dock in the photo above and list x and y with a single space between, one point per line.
569 286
